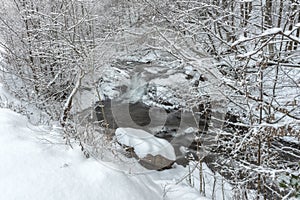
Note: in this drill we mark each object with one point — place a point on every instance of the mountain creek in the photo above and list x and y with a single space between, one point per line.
149 103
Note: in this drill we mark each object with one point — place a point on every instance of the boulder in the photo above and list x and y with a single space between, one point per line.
156 162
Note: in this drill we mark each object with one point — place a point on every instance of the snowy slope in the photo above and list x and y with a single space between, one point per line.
36 165
32 170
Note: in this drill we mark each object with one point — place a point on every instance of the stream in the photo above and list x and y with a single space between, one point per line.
150 103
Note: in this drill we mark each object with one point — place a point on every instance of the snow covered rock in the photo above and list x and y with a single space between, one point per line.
152 152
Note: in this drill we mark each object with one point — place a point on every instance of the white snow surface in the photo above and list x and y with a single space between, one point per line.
32 169
36 164
145 143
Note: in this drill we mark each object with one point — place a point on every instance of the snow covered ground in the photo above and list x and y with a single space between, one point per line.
36 164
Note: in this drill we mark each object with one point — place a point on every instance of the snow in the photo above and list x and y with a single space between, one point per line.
112 79
271 31
145 143
32 170
240 40
36 165
145 57
178 78
154 70
190 130
291 139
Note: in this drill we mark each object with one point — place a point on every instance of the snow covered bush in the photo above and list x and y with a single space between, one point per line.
291 183
45 50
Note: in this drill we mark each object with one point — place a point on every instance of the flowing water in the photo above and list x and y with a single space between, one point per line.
168 121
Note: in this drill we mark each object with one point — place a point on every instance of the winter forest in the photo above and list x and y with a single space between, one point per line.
196 99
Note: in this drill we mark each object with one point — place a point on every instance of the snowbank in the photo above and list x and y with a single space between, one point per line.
31 168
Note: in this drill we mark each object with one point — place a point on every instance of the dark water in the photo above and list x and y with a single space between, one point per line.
170 125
